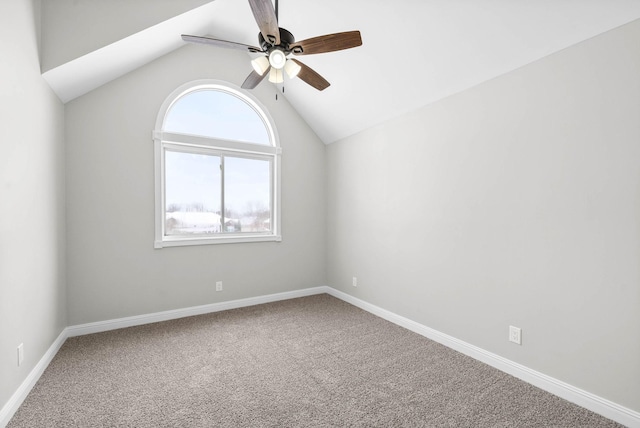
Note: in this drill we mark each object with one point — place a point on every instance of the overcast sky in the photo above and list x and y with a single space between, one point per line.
196 178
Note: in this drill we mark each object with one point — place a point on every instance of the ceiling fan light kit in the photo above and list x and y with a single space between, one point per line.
277 44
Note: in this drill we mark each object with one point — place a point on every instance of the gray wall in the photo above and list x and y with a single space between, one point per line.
32 226
113 269
514 203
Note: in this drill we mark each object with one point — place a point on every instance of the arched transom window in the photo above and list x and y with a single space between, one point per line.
217 161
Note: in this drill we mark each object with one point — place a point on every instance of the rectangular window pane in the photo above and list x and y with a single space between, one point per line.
247 194
192 194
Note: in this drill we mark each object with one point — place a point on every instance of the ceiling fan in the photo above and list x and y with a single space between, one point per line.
277 44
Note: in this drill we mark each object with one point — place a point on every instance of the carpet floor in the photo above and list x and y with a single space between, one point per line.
309 362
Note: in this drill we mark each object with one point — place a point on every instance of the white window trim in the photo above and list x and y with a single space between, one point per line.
162 140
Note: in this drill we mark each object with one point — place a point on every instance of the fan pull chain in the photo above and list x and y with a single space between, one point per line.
283 80
277 20
282 86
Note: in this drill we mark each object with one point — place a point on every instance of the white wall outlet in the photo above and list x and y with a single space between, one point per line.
515 335
218 285
354 281
20 354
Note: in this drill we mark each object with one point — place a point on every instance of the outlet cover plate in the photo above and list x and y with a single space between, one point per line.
515 335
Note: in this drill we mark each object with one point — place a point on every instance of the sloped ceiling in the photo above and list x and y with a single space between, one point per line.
414 52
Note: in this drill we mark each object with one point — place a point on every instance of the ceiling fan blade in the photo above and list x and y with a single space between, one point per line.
267 21
308 75
220 43
253 80
327 43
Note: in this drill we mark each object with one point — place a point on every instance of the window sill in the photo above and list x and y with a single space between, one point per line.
183 241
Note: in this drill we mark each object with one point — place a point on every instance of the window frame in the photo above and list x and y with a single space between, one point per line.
216 147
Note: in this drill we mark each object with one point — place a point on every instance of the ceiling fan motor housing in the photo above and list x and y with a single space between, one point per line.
286 38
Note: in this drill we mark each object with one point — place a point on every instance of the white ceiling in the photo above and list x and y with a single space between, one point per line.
414 52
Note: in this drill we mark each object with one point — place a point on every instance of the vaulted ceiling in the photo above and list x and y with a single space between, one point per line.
414 52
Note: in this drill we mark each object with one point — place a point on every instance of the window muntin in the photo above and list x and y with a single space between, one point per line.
220 187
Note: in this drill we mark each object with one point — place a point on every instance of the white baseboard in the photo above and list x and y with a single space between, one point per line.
100 326
10 408
580 397
570 393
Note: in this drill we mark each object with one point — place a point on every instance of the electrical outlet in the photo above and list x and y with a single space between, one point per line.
515 335
354 281
20 354
218 285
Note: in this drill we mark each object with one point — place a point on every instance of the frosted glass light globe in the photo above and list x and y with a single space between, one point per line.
260 65
275 76
277 59
292 68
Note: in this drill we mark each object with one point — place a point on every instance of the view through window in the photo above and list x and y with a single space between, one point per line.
217 160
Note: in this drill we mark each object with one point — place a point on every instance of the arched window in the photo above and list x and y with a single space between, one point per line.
217 161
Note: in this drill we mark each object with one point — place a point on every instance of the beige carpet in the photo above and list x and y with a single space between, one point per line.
309 362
